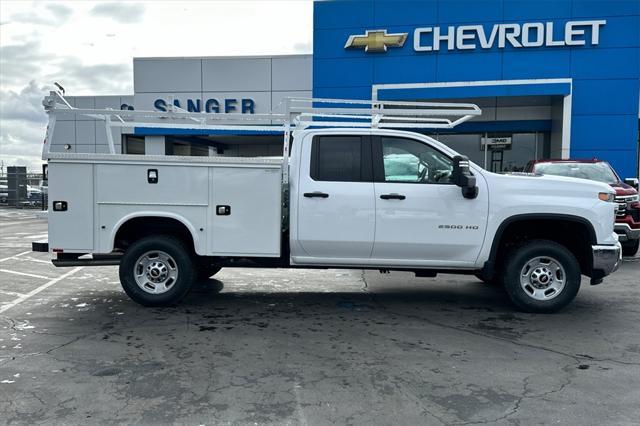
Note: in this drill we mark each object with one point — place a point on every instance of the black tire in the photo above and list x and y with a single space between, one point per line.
545 251
179 259
630 248
495 281
207 270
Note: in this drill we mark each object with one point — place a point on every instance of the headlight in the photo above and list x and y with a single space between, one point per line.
606 196
633 199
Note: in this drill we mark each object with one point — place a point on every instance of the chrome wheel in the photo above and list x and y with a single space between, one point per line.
543 278
156 272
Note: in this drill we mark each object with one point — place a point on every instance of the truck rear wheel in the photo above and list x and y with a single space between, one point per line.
541 276
630 248
157 271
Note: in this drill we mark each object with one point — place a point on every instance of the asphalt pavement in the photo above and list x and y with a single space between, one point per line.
265 346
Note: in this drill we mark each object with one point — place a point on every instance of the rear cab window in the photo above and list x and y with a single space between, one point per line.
343 158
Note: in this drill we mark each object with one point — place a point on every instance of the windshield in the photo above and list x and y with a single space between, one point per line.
600 172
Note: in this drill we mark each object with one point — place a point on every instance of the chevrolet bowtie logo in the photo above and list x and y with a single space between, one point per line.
376 41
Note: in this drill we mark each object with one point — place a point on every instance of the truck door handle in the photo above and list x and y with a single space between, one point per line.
392 197
316 194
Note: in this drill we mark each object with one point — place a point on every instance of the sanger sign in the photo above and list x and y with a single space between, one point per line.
466 37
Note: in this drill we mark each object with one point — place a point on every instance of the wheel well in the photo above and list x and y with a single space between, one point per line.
575 234
140 227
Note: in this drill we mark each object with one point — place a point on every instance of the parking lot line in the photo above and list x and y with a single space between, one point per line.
37 290
35 237
11 293
31 259
14 256
25 274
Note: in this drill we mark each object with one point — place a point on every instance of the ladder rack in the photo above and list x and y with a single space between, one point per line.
292 114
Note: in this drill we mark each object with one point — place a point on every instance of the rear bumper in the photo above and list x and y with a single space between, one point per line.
606 260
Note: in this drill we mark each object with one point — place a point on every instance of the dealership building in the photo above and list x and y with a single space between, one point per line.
554 79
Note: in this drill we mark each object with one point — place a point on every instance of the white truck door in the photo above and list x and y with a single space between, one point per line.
422 219
335 196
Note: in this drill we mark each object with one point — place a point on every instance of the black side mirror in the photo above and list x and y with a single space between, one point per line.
632 182
463 178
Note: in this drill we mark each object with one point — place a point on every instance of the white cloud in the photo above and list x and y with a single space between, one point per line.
120 11
51 14
22 126
24 105
59 11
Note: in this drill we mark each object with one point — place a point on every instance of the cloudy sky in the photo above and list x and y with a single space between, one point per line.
89 46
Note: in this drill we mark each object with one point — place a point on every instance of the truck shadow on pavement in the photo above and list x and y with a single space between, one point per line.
468 296
472 306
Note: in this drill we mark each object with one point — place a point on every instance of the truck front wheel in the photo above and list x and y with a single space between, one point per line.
495 281
541 276
157 271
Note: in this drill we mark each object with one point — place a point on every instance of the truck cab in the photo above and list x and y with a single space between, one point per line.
382 198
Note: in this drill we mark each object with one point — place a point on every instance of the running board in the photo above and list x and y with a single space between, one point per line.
97 260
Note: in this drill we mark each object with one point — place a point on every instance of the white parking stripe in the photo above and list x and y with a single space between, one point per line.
25 274
37 290
15 255
35 237
20 222
31 259
11 293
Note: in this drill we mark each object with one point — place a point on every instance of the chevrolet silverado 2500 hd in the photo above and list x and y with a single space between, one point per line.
347 196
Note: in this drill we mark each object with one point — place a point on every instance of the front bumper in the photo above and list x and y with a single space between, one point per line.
606 260
626 232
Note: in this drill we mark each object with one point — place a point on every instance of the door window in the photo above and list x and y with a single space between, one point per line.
340 158
411 161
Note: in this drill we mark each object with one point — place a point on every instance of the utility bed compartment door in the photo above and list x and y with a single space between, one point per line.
130 184
252 224
71 230
151 189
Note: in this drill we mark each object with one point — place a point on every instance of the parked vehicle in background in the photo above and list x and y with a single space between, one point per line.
34 195
628 211
44 186
4 193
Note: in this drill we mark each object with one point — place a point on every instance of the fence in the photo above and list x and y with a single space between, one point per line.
21 189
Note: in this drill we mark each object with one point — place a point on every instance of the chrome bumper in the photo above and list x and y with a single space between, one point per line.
606 259
626 233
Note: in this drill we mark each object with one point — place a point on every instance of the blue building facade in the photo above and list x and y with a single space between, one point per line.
560 78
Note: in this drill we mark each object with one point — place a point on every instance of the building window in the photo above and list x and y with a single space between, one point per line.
184 147
133 144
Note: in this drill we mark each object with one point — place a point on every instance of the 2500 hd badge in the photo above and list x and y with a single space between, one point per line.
471 227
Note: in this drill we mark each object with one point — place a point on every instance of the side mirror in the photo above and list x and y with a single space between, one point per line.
462 177
632 182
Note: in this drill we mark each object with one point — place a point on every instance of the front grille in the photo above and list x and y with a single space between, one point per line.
623 201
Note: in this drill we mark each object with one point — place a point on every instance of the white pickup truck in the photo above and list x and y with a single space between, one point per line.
349 196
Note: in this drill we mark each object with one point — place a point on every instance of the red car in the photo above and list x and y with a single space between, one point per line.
628 213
